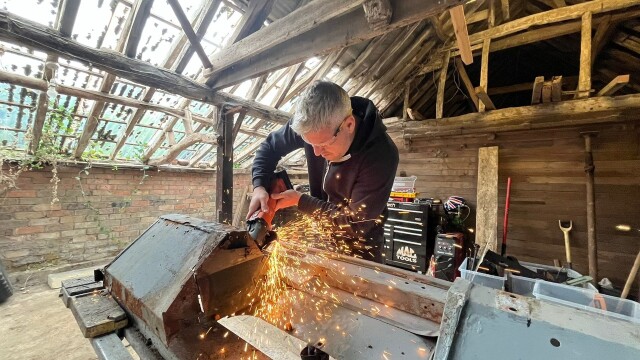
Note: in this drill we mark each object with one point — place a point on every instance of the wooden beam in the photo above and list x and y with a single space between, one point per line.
550 17
205 20
405 105
616 84
135 119
467 82
93 119
477 16
505 9
317 73
378 13
584 78
253 94
40 37
533 36
558 3
414 115
191 35
183 144
536 94
314 29
294 71
604 31
252 20
575 113
462 36
437 27
142 10
39 84
546 92
487 199
224 169
441 86
484 99
204 17
556 88
43 104
484 72
65 18
91 124
69 12
160 136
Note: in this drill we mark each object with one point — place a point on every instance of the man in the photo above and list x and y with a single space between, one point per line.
351 162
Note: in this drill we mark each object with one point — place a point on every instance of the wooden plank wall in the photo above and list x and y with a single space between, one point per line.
547 170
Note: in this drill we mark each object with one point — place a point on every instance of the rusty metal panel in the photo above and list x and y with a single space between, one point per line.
159 279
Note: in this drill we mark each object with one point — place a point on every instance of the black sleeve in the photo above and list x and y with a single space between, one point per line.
278 144
368 199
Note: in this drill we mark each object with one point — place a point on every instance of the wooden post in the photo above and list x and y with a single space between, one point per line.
224 169
241 207
405 105
487 198
441 85
536 94
486 45
556 88
484 70
584 79
589 169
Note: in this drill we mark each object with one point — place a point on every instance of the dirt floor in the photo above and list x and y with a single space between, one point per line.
36 325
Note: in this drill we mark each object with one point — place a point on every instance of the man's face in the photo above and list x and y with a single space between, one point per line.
332 143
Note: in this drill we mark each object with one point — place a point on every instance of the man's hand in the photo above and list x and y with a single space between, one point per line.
258 201
286 199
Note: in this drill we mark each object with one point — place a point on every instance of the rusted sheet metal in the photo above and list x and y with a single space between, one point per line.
177 264
421 296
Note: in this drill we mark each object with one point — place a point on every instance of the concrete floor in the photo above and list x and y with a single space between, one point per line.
36 325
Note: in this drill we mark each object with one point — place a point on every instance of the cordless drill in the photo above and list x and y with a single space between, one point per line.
259 224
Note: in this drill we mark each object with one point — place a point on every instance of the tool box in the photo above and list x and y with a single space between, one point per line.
409 235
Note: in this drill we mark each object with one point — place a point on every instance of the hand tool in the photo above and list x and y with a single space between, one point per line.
632 276
566 226
259 224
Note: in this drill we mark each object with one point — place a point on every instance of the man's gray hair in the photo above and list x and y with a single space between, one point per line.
322 105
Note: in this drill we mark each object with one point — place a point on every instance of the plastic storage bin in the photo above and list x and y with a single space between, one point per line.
404 184
587 299
524 286
494 282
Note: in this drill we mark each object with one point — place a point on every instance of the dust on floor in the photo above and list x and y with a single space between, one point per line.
36 325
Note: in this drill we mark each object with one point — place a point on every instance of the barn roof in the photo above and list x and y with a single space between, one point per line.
111 104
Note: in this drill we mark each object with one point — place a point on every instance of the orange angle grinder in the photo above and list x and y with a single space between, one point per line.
259 224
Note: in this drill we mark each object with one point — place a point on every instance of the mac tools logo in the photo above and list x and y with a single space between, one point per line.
406 253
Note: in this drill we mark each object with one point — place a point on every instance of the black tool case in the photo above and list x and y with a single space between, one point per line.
409 234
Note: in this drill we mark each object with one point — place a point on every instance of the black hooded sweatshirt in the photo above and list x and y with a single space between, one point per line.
351 194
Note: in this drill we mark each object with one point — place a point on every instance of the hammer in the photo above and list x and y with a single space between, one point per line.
566 226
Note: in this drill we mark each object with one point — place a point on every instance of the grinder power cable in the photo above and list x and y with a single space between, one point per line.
259 225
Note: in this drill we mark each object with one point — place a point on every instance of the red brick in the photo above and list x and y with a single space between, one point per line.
24 230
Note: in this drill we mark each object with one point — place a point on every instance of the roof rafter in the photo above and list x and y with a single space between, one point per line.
314 29
16 29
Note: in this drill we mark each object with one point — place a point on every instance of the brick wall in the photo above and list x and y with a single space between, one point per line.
115 210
